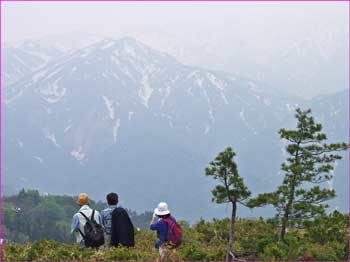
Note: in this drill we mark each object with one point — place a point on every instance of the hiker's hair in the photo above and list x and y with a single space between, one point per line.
112 199
164 216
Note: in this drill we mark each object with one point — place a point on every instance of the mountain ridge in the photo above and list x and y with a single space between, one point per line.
118 112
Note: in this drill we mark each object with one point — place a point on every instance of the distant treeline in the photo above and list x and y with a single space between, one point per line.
29 216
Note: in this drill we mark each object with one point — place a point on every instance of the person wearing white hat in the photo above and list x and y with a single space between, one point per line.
160 223
157 223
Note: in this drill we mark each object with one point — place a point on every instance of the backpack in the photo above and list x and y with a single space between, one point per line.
174 233
93 232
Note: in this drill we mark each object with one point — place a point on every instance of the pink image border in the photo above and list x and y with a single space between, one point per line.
261 1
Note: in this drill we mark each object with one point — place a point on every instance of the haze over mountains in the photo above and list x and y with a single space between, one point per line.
297 63
300 48
105 115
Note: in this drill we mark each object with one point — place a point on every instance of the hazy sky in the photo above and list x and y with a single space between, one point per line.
260 40
22 20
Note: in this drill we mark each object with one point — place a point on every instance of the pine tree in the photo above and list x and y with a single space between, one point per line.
308 166
231 189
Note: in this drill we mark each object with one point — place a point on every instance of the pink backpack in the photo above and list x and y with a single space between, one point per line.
174 232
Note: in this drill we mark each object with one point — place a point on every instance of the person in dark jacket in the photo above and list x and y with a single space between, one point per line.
122 229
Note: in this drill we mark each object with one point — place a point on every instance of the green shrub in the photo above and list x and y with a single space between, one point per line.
254 239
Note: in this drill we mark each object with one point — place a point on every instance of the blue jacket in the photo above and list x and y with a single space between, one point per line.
162 232
106 215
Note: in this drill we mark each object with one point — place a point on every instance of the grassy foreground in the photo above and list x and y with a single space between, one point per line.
323 239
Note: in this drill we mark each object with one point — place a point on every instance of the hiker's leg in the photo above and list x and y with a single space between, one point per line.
164 253
107 240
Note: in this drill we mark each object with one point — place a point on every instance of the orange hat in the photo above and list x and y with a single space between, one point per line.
83 199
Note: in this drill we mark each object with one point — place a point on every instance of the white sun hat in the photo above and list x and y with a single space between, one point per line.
162 209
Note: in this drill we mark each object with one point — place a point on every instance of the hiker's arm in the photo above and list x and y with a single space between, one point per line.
154 219
154 225
103 219
75 223
100 219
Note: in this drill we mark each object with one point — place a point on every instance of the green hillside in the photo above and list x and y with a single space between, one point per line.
29 216
37 228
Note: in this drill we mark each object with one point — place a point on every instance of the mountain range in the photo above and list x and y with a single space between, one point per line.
117 115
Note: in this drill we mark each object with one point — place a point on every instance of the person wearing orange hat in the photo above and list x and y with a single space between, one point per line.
79 221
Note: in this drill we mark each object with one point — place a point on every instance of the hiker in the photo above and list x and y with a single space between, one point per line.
169 232
87 224
122 229
106 214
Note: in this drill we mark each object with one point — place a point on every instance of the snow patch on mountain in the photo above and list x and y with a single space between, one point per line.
19 94
130 51
86 51
51 137
116 53
335 112
55 72
193 73
218 83
257 97
20 143
196 79
145 91
210 111
267 102
48 110
115 76
242 117
130 115
167 117
108 45
115 130
199 82
38 75
110 108
40 159
224 98
19 60
254 87
207 129
211 115
45 58
170 122
78 153
166 91
53 93
242 100
126 72
67 128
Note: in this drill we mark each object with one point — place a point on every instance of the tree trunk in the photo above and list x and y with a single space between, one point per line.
230 255
284 225
287 211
